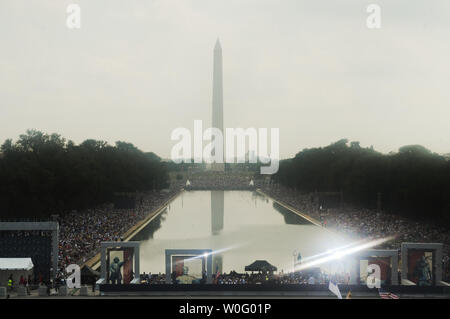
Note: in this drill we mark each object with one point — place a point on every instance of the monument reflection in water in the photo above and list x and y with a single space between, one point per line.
240 226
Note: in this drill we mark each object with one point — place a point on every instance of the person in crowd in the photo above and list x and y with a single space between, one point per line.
10 283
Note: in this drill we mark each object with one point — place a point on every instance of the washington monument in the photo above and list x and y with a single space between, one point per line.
217 99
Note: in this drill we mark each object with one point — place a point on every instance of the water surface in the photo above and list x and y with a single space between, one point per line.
242 226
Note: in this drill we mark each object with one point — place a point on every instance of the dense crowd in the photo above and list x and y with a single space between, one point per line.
235 278
153 279
219 181
82 232
364 223
298 278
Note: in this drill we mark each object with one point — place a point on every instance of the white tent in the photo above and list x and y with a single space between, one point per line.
16 264
16 267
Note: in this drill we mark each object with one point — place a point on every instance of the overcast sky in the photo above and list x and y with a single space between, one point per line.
138 69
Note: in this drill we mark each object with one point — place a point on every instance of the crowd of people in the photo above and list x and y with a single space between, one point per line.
153 279
219 181
234 278
82 232
297 278
367 223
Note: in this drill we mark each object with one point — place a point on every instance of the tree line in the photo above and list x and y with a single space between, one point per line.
413 182
43 174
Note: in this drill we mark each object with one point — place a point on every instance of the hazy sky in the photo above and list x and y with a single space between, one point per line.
138 69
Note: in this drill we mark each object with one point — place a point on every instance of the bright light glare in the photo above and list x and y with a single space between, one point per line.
331 251
341 252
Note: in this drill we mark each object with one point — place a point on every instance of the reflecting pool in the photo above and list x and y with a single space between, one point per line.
239 226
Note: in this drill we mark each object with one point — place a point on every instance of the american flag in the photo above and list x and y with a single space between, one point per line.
387 294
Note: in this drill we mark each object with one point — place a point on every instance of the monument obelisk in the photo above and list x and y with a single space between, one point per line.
217 197
217 100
